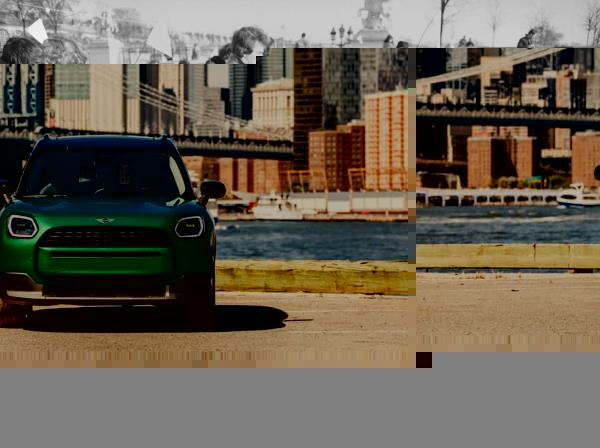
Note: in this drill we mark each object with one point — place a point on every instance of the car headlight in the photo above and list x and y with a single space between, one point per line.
190 227
22 226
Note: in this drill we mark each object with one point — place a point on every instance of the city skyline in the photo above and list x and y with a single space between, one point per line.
257 110
523 122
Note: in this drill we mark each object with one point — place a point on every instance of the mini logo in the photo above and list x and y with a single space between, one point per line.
105 220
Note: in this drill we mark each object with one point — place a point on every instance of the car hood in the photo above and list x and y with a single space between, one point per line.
101 207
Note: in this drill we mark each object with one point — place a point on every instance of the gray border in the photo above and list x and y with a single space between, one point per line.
211 408
466 400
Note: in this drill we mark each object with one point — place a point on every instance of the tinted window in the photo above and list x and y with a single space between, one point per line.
85 172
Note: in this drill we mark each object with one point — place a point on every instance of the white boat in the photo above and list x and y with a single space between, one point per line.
578 196
277 207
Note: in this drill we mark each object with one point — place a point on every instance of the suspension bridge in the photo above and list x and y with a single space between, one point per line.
504 62
491 114
179 114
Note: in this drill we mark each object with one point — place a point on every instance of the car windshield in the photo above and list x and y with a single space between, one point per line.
66 172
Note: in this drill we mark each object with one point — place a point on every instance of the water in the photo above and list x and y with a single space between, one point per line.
316 240
504 224
396 241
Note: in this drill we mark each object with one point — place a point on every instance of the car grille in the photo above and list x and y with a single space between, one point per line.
104 237
103 291
104 279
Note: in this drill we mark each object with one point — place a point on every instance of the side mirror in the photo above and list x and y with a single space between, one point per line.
7 188
211 189
597 173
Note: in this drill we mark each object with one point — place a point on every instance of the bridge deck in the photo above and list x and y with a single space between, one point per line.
209 146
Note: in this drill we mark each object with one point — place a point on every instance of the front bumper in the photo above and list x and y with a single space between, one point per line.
64 265
20 288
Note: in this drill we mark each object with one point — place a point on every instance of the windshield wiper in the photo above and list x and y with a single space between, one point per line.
175 202
42 196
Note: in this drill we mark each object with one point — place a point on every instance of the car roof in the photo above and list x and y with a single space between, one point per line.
107 143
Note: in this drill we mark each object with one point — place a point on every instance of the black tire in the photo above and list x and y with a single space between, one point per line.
11 315
196 306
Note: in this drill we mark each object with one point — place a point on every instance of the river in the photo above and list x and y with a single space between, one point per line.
316 240
506 224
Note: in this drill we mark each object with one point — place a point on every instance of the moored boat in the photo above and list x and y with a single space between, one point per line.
578 196
277 207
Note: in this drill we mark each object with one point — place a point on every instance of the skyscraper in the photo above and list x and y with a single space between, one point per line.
206 108
149 110
341 86
308 100
118 98
276 64
383 70
88 97
331 84
241 79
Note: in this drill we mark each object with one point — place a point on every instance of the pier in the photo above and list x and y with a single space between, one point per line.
484 196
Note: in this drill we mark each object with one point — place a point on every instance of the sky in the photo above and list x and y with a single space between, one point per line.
416 20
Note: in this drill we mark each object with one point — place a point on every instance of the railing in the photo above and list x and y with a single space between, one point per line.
574 257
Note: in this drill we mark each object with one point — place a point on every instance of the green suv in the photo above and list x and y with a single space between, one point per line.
107 220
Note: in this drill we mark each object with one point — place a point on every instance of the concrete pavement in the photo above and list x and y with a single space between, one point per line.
253 330
508 312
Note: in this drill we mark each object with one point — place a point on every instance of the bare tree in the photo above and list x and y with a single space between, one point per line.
448 10
443 8
128 23
55 12
23 10
495 17
592 23
546 34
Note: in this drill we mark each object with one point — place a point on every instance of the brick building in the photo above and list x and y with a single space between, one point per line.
491 157
479 168
585 157
332 154
386 141
355 157
244 175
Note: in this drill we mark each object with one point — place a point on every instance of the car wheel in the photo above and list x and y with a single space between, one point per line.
13 315
196 306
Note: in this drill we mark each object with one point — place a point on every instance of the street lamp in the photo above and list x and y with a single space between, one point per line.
342 32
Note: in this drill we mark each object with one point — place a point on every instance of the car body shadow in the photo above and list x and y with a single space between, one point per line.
149 319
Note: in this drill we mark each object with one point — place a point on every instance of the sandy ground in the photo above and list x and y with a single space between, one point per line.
508 312
253 330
